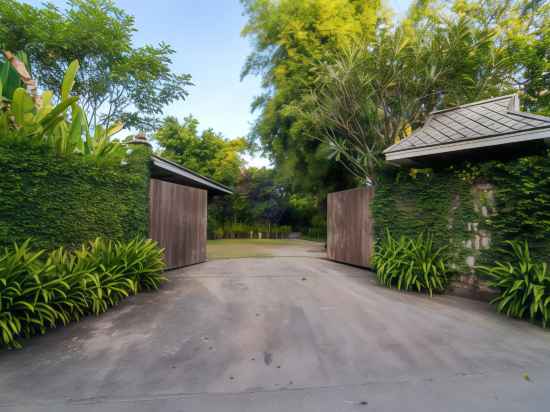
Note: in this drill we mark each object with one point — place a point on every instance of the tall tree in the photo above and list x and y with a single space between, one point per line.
260 198
519 49
375 93
117 81
205 152
290 38
360 89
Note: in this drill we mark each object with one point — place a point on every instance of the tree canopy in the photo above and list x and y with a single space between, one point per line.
205 152
344 79
260 196
290 39
117 81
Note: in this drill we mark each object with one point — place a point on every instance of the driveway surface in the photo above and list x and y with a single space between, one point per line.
282 334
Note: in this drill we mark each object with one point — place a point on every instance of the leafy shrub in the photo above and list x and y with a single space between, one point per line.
524 284
316 233
43 195
39 291
218 233
25 115
411 264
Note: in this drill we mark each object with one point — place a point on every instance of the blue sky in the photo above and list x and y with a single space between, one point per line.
206 37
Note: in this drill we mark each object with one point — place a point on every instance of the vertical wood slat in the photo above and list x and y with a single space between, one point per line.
350 232
177 221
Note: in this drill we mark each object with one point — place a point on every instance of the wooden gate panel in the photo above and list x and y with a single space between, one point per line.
177 221
350 232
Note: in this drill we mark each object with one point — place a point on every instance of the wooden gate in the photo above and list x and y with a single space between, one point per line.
177 221
350 237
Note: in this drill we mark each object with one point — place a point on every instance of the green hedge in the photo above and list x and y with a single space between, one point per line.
70 199
243 230
441 201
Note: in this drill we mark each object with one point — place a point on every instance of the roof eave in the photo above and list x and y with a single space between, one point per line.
541 134
194 178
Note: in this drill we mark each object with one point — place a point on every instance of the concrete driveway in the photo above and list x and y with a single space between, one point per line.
282 334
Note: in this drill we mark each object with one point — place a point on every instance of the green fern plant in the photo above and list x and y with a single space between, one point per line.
411 264
524 284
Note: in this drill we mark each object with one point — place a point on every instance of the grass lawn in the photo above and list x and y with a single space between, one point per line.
239 248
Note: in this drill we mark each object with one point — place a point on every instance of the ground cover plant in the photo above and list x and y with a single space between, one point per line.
523 284
40 290
411 264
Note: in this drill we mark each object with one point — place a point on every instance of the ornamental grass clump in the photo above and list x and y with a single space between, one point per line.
523 284
40 290
411 264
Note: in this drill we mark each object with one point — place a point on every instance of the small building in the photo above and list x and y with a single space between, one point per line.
475 131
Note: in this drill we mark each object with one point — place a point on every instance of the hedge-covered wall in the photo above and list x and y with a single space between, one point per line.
68 199
460 204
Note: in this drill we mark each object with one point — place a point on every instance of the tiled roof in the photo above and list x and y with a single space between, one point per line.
470 122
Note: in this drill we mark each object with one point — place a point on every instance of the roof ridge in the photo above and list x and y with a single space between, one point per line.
492 99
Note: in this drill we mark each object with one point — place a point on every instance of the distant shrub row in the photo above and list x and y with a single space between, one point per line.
245 231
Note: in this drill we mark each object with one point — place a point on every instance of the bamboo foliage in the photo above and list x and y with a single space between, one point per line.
40 290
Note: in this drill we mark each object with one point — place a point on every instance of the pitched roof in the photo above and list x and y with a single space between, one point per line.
485 123
165 169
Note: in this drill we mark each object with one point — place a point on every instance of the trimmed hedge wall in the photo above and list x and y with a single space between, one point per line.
445 203
70 199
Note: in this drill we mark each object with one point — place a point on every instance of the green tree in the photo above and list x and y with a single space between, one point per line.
117 81
260 197
375 93
290 38
520 43
205 152
346 90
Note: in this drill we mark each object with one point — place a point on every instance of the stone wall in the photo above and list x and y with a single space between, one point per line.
469 284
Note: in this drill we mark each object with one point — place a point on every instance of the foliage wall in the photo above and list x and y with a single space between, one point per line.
448 203
69 199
